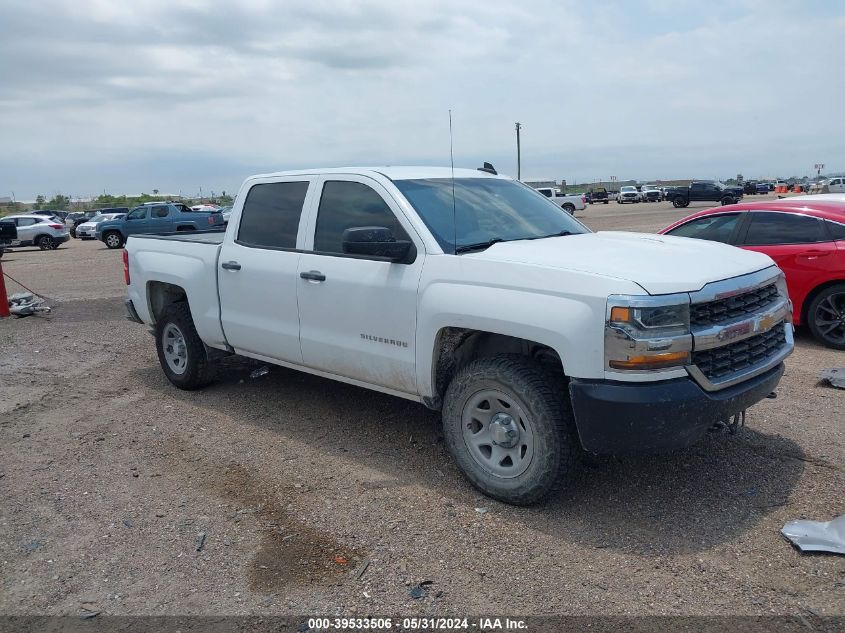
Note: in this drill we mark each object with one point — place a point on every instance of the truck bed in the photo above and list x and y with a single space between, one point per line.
185 260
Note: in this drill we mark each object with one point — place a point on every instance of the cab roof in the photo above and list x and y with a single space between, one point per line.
391 172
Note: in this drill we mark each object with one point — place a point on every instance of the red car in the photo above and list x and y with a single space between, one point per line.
807 241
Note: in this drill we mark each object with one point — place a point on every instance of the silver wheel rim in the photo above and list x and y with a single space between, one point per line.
497 433
175 350
112 240
46 243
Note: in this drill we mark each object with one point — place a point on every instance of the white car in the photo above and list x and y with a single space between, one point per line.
45 232
88 229
465 291
628 194
208 208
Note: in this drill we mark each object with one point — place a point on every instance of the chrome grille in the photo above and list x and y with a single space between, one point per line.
704 315
737 357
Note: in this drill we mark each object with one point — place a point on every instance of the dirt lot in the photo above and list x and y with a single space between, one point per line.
108 476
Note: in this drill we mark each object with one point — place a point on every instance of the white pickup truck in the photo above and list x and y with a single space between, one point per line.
570 204
473 294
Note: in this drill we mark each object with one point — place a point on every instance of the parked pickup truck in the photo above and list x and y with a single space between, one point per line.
704 192
171 217
596 195
570 204
535 338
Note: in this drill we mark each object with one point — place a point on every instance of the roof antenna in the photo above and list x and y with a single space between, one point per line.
454 205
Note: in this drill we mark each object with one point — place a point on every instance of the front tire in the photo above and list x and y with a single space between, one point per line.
180 350
509 429
826 317
113 239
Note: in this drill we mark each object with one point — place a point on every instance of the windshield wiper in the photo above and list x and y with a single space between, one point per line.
559 234
479 246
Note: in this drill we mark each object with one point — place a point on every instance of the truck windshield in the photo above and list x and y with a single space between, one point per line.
486 210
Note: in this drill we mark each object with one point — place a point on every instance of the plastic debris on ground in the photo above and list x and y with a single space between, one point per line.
834 376
261 371
24 304
817 536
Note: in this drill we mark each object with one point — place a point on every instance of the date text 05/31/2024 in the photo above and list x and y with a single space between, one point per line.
482 625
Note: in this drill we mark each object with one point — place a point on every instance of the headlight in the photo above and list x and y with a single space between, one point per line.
647 333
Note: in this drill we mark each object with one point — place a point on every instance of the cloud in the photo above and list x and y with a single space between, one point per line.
649 90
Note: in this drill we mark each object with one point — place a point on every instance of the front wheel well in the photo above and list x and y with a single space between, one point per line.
160 295
456 347
805 306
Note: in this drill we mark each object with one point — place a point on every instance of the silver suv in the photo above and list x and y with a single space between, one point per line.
47 233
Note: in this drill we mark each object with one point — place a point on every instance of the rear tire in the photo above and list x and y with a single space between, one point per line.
826 317
180 349
727 200
113 239
569 208
46 243
510 399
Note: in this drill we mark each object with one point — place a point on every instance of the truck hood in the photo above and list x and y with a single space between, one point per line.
660 264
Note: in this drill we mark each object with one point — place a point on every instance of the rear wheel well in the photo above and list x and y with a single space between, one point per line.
457 347
160 295
805 307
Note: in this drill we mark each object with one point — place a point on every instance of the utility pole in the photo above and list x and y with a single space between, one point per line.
518 153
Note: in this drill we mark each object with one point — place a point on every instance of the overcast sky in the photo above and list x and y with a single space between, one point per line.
181 94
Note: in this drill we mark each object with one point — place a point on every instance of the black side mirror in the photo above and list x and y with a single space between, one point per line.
377 241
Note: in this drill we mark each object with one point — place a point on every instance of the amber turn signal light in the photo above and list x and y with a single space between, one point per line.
656 361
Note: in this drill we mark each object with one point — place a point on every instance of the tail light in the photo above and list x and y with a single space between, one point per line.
584 199
211 219
56 226
126 266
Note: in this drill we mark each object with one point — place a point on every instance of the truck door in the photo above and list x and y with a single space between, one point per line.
698 191
257 269
136 221
357 314
161 219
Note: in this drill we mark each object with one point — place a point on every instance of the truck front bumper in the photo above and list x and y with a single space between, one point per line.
619 417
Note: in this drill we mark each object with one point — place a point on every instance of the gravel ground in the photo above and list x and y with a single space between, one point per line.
319 497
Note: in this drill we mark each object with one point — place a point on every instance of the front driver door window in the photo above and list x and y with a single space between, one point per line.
359 321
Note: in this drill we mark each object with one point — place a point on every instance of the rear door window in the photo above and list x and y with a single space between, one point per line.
768 228
161 211
270 217
717 228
